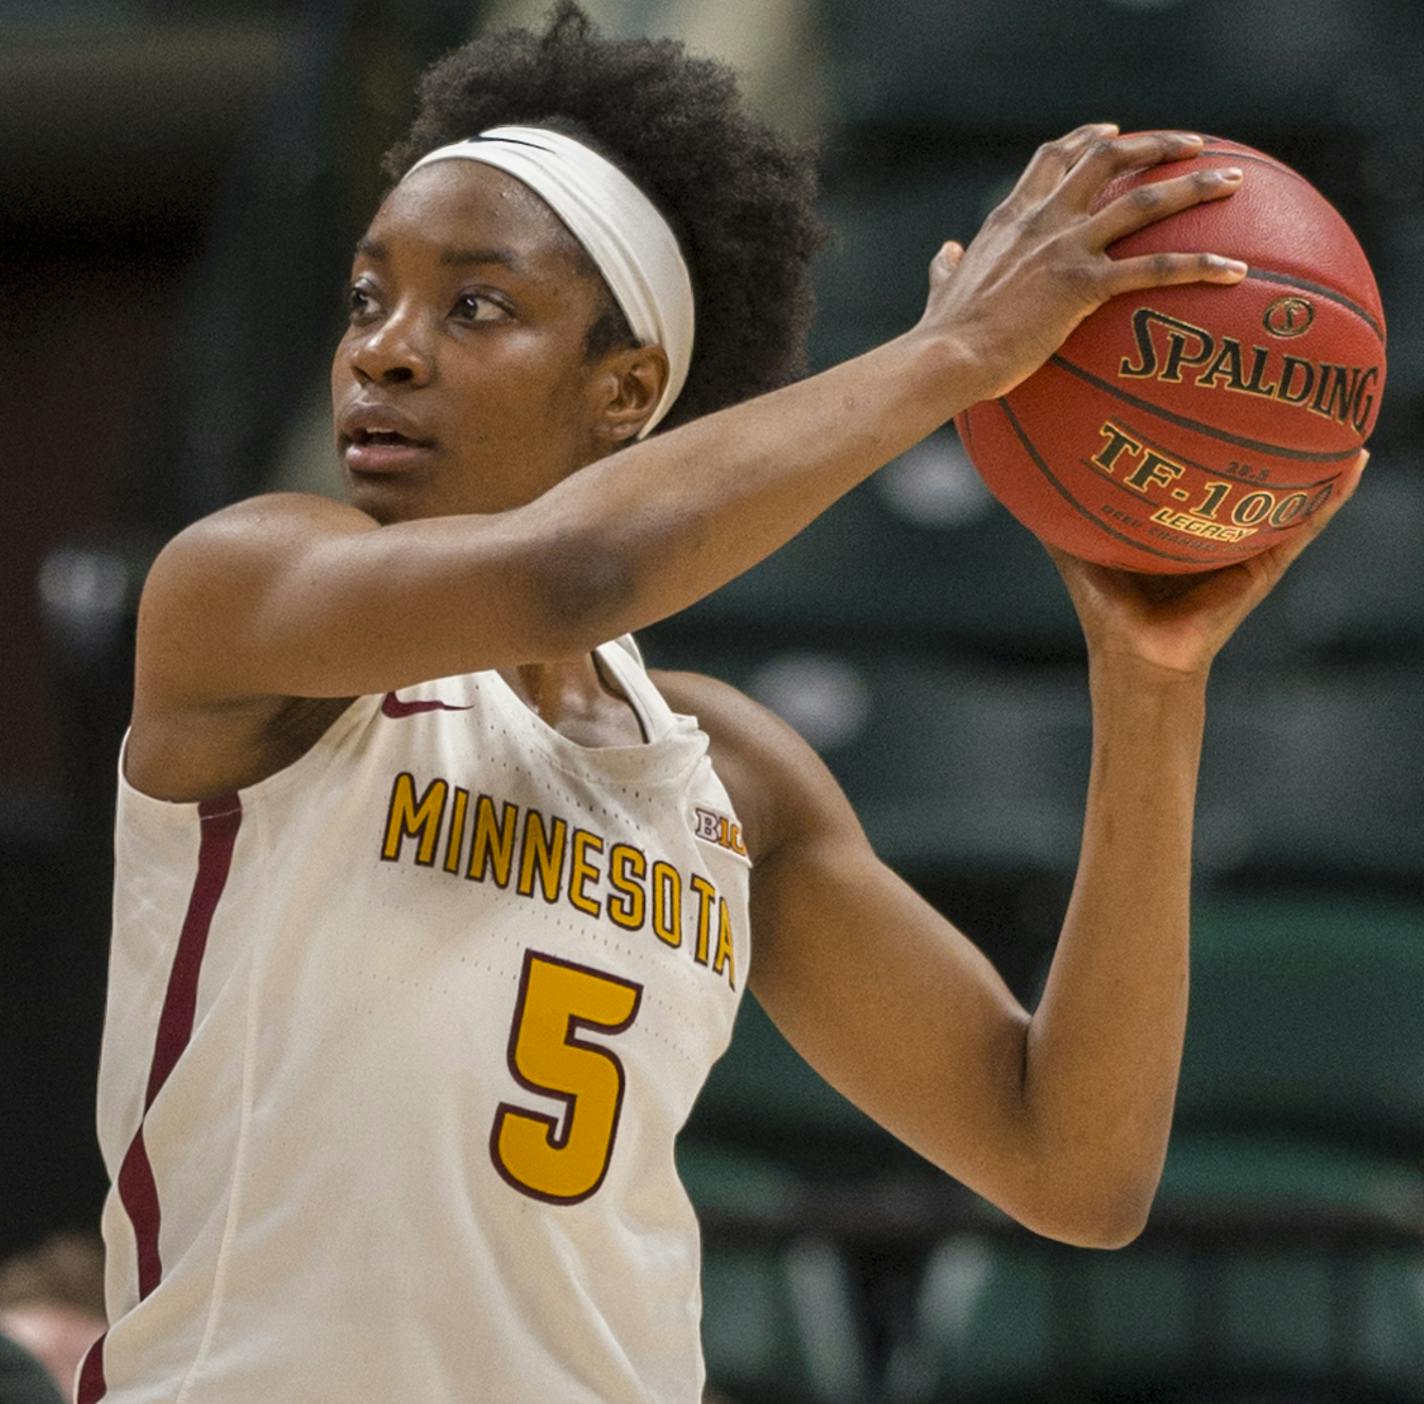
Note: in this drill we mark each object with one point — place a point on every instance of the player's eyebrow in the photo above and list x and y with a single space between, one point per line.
377 252
507 258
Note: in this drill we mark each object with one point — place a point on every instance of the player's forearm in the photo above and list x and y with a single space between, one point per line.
661 525
1104 1047
619 544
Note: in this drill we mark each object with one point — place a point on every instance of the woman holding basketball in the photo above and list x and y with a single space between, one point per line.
433 909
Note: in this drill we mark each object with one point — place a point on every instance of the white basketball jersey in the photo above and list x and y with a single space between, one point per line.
397 1045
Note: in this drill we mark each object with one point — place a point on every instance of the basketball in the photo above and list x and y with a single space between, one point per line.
1183 428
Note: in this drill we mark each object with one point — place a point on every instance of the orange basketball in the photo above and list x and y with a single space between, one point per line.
1183 428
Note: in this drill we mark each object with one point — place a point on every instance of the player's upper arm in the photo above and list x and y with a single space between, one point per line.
297 595
875 989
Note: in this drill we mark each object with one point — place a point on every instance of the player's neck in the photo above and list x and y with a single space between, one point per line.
576 698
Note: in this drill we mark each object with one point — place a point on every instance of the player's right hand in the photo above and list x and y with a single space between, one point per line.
1040 263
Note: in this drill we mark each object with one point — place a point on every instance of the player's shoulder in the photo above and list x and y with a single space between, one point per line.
263 522
779 786
218 570
706 697
737 724
224 557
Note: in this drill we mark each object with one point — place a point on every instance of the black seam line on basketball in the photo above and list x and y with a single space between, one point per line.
1268 275
1218 473
1260 160
1076 505
1196 425
1288 280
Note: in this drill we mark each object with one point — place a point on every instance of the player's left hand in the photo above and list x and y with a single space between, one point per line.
1178 623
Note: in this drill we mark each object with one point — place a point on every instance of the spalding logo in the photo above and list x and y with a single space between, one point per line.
1168 347
1289 316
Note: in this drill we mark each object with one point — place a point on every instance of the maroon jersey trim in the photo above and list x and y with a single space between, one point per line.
220 819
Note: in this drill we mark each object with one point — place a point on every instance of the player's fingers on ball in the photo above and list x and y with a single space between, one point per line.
1146 204
1063 563
1112 156
945 261
1344 488
1164 270
1054 159
1080 576
1279 557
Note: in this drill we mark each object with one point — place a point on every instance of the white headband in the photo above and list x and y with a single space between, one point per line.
621 229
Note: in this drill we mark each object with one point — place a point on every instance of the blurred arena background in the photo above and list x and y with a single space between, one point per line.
180 187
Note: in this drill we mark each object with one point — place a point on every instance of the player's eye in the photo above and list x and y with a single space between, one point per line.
480 307
359 303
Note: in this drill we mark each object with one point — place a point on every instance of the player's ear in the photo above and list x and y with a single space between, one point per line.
629 385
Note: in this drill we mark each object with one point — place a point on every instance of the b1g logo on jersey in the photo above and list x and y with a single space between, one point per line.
725 832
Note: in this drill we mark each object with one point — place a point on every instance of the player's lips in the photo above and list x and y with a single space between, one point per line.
376 438
383 454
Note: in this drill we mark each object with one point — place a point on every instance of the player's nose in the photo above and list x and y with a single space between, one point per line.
399 348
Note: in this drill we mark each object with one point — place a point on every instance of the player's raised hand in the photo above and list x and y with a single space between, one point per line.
1040 263
1178 623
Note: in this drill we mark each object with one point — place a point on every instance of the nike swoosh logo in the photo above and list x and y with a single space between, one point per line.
394 707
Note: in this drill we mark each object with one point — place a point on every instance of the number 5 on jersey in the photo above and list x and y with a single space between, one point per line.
563 1160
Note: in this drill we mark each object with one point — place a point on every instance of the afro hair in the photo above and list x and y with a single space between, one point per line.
740 198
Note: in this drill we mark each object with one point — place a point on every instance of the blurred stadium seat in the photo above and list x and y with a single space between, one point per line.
951 769
1307 1019
972 64
722 1179
888 217
1271 1271
1171 1318
1358 595
1308 772
920 553
780 1321
1025 1319
763 1096
776 1323
1314 1254
1236 1175
923 556
780 1325
1285 1258
1314 775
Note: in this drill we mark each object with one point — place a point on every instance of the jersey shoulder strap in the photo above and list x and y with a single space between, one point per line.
624 660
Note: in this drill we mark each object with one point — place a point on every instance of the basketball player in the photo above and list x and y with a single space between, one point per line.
433 908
